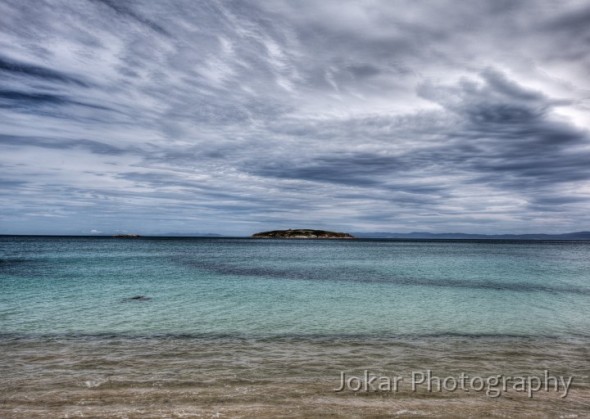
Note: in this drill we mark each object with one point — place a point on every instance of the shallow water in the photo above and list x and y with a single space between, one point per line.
254 328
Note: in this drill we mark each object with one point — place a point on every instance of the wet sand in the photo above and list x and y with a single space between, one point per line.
281 377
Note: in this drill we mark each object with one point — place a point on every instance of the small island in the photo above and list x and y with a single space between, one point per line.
301 234
126 236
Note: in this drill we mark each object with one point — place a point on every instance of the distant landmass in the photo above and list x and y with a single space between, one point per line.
323 234
301 233
580 235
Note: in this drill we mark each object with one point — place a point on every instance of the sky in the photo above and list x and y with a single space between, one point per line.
234 117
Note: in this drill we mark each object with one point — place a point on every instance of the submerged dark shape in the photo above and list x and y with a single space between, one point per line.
126 236
301 233
138 298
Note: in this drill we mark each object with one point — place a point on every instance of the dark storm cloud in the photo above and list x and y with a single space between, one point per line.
574 22
90 145
14 99
504 136
360 169
10 98
516 141
16 68
242 116
8 183
124 10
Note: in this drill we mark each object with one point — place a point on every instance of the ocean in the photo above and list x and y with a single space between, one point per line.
228 327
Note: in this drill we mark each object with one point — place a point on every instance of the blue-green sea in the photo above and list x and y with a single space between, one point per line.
168 327
293 287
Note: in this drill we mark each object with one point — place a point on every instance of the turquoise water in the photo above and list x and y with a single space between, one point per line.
266 288
265 328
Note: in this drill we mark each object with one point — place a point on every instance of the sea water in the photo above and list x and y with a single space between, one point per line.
222 319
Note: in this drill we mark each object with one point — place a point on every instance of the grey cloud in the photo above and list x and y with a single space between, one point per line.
122 9
358 170
504 136
574 22
13 98
232 116
513 131
10 183
96 147
363 70
16 68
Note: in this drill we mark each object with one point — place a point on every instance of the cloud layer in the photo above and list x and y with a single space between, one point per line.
235 117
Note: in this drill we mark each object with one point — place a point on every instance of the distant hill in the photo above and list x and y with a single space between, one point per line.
580 235
301 233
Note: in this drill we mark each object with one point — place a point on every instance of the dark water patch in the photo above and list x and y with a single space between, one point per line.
496 286
138 298
23 267
368 275
9 262
311 273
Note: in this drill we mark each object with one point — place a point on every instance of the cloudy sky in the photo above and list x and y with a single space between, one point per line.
239 116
